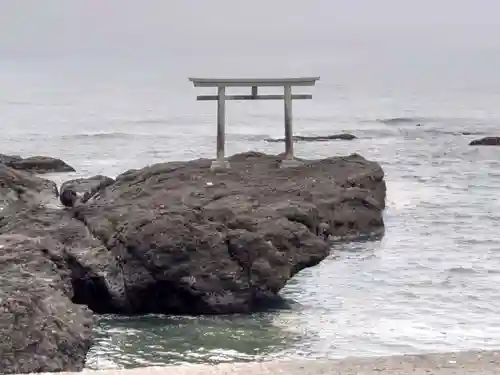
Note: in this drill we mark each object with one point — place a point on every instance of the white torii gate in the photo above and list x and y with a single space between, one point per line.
221 97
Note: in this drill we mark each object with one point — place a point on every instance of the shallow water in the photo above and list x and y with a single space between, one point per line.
431 284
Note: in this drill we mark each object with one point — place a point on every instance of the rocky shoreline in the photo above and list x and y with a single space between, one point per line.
169 238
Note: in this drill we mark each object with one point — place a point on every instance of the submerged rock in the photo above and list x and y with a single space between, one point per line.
320 138
40 164
83 188
486 141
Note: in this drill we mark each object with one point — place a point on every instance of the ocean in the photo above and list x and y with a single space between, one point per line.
407 86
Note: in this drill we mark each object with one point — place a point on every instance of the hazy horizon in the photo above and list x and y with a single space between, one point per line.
155 28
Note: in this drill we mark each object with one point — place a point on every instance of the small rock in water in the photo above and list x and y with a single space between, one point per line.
486 141
320 138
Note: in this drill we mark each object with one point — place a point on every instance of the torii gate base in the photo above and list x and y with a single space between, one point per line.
220 162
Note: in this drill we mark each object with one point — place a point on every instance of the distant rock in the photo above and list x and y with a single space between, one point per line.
40 164
486 141
82 189
402 120
320 138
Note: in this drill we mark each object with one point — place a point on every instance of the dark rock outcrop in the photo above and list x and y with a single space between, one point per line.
92 269
68 197
486 141
83 189
319 138
40 328
189 240
40 164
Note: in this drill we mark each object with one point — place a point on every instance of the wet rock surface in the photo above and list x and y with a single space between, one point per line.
486 141
320 138
170 238
36 164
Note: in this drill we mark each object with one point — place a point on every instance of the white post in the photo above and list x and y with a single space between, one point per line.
254 92
220 161
289 160
288 123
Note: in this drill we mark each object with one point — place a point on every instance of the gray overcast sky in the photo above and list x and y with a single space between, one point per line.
108 26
